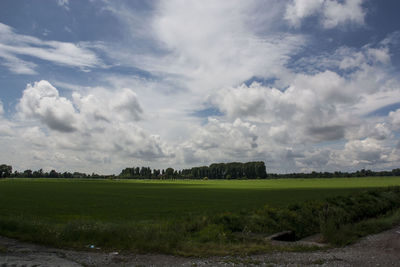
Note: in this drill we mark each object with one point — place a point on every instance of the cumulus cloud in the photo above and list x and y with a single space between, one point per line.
365 152
105 105
373 128
313 113
97 126
310 105
42 101
127 105
317 99
380 132
332 13
13 46
221 141
322 106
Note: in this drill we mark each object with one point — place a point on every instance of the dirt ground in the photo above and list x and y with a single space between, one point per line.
382 249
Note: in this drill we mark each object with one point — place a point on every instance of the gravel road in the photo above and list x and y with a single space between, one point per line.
382 249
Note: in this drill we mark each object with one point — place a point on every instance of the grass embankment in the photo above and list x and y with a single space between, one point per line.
192 217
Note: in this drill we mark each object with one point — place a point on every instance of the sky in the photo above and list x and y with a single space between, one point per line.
97 86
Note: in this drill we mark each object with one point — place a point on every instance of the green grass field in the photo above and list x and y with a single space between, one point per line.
61 200
188 217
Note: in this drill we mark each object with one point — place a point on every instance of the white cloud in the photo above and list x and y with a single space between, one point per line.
104 105
300 9
370 129
380 132
95 126
332 13
314 160
336 13
379 55
309 107
226 47
6 126
365 152
221 141
395 118
313 115
64 4
42 101
319 107
17 65
14 45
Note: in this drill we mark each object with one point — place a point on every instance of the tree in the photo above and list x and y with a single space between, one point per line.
53 174
169 172
28 173
260 170
137 171
38 174
5 170
128 172
156 173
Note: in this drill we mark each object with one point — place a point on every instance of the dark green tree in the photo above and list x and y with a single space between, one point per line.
5 170
169 172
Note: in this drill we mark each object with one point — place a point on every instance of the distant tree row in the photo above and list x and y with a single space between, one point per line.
234 170
337 174
140 173
52 174
147 173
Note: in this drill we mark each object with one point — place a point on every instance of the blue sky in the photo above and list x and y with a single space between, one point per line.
101 85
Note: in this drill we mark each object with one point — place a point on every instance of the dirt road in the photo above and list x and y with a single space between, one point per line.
376 250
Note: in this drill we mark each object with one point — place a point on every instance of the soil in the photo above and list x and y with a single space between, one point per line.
382 249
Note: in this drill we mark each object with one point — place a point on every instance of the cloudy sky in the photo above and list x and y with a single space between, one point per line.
97 86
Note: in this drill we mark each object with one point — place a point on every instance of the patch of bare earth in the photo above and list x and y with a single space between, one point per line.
382 249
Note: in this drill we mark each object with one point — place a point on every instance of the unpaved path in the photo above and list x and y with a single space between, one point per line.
382 249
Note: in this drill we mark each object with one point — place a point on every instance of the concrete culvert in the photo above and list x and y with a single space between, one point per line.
288 236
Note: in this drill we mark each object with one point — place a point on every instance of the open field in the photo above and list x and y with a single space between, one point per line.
62 200
172 214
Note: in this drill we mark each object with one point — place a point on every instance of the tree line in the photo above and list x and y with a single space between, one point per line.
7 172
337 174
232 170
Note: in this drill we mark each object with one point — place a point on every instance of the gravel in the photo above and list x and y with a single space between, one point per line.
382 249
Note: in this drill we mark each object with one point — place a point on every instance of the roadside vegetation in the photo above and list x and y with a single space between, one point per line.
194 217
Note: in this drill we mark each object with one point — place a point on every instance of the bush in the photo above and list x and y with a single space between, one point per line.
231 222
211 233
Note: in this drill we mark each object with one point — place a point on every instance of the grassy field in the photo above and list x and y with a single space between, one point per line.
191 217
61 200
